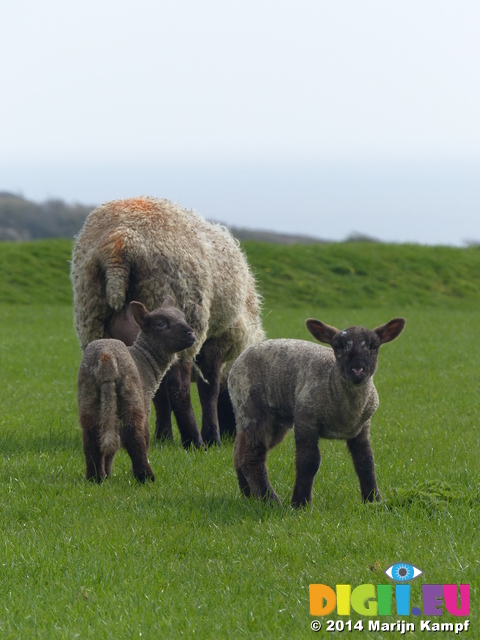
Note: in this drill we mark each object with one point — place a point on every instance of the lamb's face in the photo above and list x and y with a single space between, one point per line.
169 327
356 353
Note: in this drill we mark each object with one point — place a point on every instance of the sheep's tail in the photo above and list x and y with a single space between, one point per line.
117 266
116 284
100 278
107 374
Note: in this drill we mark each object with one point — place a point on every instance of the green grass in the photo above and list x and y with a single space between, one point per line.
188 556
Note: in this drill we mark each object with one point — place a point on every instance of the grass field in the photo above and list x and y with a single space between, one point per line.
187 556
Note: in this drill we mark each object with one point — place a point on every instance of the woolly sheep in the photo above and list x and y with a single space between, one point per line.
144 249
116 384
320 392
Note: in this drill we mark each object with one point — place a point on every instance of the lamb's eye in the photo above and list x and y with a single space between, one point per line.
161 325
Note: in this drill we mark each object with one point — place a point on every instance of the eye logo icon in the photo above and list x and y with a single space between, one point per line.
403 572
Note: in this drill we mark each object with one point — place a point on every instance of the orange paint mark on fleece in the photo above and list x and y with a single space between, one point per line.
114 247
140 205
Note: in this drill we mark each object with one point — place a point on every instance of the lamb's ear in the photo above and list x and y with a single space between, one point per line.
391 330
140 313
322 332
168 302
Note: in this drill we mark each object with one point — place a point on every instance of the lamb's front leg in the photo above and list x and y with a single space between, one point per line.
178 380
307 463
163 413
363 461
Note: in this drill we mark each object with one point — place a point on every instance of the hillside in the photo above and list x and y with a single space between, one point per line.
319 275
365 274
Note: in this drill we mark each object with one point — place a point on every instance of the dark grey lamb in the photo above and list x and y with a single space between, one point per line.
278 385
116 384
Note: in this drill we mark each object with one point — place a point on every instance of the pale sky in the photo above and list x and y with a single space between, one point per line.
314 117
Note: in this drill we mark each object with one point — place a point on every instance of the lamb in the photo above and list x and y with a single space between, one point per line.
319 392
144 249
116 384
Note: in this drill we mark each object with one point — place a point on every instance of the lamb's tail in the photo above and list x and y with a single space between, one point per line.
107 374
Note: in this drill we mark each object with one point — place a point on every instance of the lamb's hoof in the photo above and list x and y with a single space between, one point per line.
95 478
272 498
246 492
300 502
374 496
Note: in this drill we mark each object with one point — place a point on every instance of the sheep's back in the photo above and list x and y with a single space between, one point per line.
167 251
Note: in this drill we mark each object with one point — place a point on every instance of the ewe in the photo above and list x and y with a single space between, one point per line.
145 249
320 392
116 384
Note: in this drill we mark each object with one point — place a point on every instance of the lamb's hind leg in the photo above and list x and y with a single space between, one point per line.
307 462
238 453
109 464
135 442
250 460
94 459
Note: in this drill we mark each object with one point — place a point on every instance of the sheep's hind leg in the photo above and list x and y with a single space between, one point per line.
135 442
163 413
178 380
307 463
251 465
226 416
210 360
364 463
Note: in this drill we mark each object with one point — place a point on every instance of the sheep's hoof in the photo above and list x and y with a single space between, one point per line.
198 444
164 434
145 475
211 438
